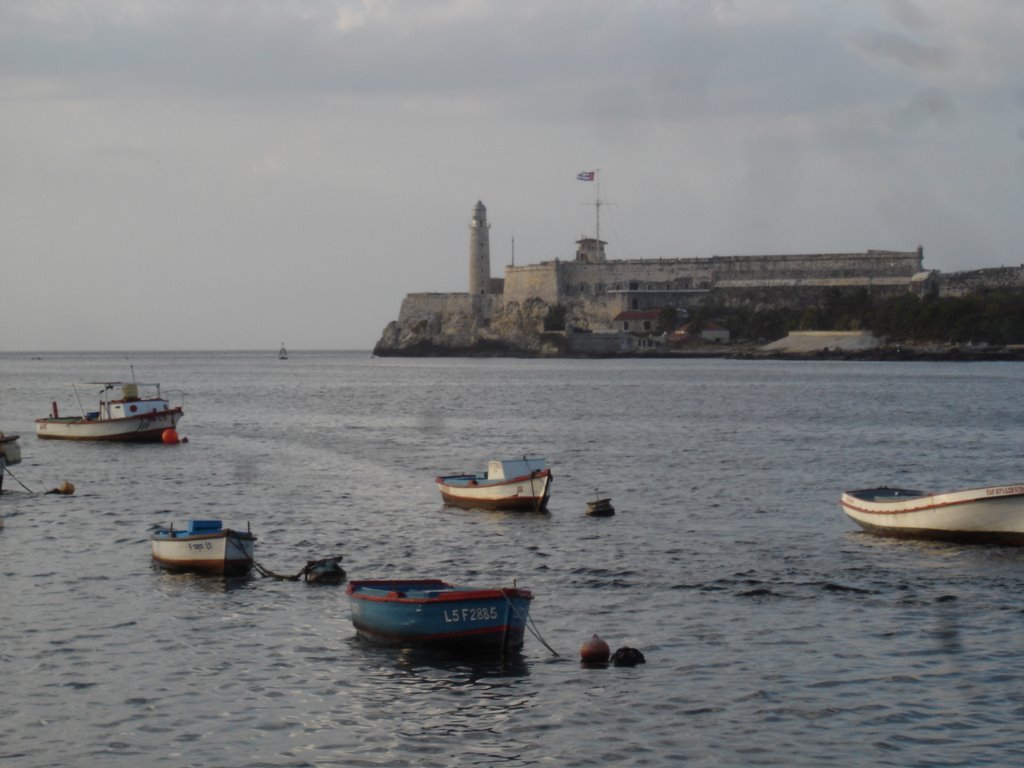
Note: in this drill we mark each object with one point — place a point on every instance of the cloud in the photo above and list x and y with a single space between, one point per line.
907 51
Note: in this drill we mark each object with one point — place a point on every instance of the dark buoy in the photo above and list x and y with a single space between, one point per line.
170 436
326 571
627 657
600 508
594 651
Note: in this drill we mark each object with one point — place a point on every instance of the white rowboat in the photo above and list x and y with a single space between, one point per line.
507 484
991 515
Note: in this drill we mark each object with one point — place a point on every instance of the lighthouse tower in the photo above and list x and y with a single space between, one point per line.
479 252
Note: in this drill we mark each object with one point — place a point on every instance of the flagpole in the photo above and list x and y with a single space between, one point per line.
597 204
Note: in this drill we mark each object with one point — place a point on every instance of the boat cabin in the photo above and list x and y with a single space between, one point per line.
506 469
130 403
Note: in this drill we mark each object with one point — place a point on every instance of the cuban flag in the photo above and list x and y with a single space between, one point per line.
585 176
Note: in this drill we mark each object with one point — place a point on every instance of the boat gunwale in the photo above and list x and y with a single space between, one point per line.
447 593
172 536
925 501
69 420
486 482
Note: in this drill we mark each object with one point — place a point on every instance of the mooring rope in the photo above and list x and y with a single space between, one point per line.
66 488
529 624
8 471
264 571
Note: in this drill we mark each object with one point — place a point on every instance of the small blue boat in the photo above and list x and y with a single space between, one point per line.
206 546
435 613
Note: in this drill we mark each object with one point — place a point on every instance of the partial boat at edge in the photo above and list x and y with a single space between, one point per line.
989 515
10 454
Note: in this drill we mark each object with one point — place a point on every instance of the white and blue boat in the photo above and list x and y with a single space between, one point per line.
205 546
431 612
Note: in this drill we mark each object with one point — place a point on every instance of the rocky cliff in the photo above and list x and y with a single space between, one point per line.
464 328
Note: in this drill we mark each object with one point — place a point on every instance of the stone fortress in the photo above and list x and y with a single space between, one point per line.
585 296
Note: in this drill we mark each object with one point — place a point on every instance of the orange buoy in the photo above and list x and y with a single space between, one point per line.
594 651
170 436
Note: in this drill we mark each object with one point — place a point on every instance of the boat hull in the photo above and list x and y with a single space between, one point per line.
225 553
10 454
433 613
526 492
992 515
10 449
147 427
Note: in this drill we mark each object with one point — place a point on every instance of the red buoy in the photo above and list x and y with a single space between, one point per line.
595 651
170 436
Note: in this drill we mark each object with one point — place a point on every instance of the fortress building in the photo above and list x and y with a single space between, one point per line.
583 295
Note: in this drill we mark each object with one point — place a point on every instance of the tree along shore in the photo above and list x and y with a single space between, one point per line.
994 318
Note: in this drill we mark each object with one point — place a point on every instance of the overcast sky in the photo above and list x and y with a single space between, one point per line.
221 174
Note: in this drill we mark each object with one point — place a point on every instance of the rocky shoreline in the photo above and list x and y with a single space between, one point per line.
906 352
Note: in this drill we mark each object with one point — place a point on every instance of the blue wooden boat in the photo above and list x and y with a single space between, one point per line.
435 613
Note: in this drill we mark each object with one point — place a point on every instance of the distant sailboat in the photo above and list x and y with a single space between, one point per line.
282 353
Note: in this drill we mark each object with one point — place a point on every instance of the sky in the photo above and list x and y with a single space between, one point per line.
234 174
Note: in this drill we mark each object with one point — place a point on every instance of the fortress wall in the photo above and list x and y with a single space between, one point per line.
419 305
559 280
822 265
638 274
537 281
964 283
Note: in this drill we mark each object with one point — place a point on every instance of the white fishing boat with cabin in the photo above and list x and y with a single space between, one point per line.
122 414
990 515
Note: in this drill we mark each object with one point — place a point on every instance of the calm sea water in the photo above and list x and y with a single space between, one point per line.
775 633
